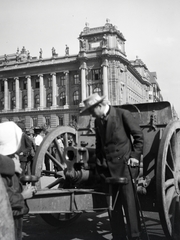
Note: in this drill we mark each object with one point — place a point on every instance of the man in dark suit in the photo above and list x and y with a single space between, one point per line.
119 143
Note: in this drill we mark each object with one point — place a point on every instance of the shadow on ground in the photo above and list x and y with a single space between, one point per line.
89 226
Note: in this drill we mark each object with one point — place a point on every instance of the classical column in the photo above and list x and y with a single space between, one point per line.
29 92
105 78
67 88
41 92
6 94
54 90
83 81
90 89
17 92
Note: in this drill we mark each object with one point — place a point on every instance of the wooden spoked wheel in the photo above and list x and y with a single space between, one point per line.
168 180
50 151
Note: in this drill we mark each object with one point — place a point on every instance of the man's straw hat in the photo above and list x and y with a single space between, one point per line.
91 102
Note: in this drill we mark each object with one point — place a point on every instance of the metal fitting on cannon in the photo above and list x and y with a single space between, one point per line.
143 183
75 155
76 159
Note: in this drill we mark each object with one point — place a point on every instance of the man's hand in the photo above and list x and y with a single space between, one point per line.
29 191
17 164
133 162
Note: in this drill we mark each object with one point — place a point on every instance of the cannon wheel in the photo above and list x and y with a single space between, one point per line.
54 219
168 180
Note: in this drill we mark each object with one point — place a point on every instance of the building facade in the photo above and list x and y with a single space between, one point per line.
51 90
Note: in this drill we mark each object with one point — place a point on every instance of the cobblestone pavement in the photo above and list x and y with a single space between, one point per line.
89 226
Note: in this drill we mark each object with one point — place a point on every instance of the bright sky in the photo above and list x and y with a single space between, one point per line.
151 28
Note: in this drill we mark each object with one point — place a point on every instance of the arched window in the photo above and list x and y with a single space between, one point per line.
49 100
62 100
36 101
24 103
13 103
76 98
97 90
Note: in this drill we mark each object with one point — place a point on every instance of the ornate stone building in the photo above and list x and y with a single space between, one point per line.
50 90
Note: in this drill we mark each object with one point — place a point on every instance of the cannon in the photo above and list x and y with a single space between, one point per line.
70 186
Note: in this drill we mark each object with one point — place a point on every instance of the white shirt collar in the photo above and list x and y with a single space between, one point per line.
106 110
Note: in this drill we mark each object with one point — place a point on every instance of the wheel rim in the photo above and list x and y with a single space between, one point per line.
168 180
58 160
57 219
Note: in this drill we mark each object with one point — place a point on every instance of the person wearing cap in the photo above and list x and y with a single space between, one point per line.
31 155
10 142
25 150
115 150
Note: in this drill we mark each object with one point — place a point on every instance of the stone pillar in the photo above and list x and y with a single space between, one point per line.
90 89
41 90
54 90
67 88
29 92
17 92
83 82
6 95
105 78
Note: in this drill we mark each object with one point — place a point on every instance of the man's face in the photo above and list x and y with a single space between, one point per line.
96 111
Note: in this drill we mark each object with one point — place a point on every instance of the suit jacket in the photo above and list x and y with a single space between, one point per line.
121 139
25 148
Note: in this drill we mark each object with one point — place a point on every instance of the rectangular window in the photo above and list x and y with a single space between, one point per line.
48 122
35 121
37 83
61 122
76 78
25 84
96 74
13 85
49 81
2 87
62 81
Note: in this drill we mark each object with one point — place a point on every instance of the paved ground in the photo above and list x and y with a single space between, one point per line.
89 226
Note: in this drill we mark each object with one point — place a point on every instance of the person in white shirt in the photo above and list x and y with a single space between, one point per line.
38 138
